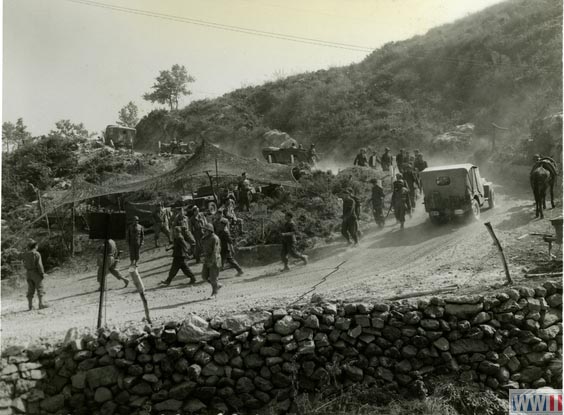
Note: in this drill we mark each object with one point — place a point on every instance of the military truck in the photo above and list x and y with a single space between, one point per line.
283 149
176 147
455 190
117 136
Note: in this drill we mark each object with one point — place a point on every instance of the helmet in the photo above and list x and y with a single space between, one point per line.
208 227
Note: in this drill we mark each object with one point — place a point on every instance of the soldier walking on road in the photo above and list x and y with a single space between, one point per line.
349 226
134 236
226 243
160 217
35 274
112 259
288 233
211 253
377 200
400 202
386 160
197 222
180 255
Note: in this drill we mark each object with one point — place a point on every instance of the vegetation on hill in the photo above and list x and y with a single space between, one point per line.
502 65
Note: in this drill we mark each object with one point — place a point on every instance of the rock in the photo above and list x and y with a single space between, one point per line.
311 322
550 332
102 394
468 346
286 325
508 306
555 300
244 385
343 323
391 333
171 405
53 403
211 369
150 378
194 405
102 376
355 332
384 373
463 310
303 334
239 323
263 384
530 374
279 313
442 344
8 370
362 320
195 329
551 316
464 299
481 317
540 358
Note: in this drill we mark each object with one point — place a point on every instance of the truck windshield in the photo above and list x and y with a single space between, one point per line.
442 181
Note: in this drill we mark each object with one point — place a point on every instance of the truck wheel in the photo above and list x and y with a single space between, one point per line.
212 208
491 199
475 211
435 220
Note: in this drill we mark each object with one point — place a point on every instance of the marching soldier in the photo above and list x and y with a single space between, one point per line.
288 233
180 255
400 202
197 222
134 237
112 258
226 244
349 226
160 217
386 160
211 253
377 200
35 274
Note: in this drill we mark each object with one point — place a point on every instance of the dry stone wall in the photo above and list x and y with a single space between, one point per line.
244 362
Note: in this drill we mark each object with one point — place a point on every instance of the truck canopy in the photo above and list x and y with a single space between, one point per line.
452 179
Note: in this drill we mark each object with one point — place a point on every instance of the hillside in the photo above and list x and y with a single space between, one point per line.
502 65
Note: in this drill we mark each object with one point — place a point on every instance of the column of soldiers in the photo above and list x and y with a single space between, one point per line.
405 188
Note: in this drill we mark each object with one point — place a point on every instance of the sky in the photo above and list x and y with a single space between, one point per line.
83 60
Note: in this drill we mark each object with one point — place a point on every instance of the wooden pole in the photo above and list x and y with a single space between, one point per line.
500 249
73 218
103 279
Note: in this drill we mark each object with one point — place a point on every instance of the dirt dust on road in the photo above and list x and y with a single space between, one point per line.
388 262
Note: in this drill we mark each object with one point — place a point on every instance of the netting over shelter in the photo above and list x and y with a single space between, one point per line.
207 159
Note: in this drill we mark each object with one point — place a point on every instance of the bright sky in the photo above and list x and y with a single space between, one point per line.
83 60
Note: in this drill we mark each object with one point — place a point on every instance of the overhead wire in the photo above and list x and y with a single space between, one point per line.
220 26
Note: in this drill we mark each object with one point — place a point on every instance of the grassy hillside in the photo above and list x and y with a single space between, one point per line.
502 65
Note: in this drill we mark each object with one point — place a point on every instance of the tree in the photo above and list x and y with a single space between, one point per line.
170 86
16 135
69 130
128 115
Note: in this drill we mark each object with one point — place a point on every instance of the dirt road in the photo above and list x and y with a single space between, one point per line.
387 263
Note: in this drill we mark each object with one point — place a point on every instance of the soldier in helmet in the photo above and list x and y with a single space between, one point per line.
35 274
349 226
361 159
211 258
226 243
400 202
386 160
288 233
377 200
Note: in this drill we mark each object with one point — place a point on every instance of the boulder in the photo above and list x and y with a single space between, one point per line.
195 329
53 403
182 390
239 323
102 394
286 325
170 405
194 405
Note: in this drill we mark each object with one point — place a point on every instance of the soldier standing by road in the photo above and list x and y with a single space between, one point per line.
134 237
211 253
349 226
160 217
244 193
35 274
420 164
288 233
197 222
386 160
180 255
411 179
112 259
400 159
400 202
377 200
361 160
226 243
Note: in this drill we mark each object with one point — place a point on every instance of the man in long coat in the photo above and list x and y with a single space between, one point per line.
134 236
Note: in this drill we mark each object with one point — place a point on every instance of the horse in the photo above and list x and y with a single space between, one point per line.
541 178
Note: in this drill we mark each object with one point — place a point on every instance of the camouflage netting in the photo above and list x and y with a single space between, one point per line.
208 159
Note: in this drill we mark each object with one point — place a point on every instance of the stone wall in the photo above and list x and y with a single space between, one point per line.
245 362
